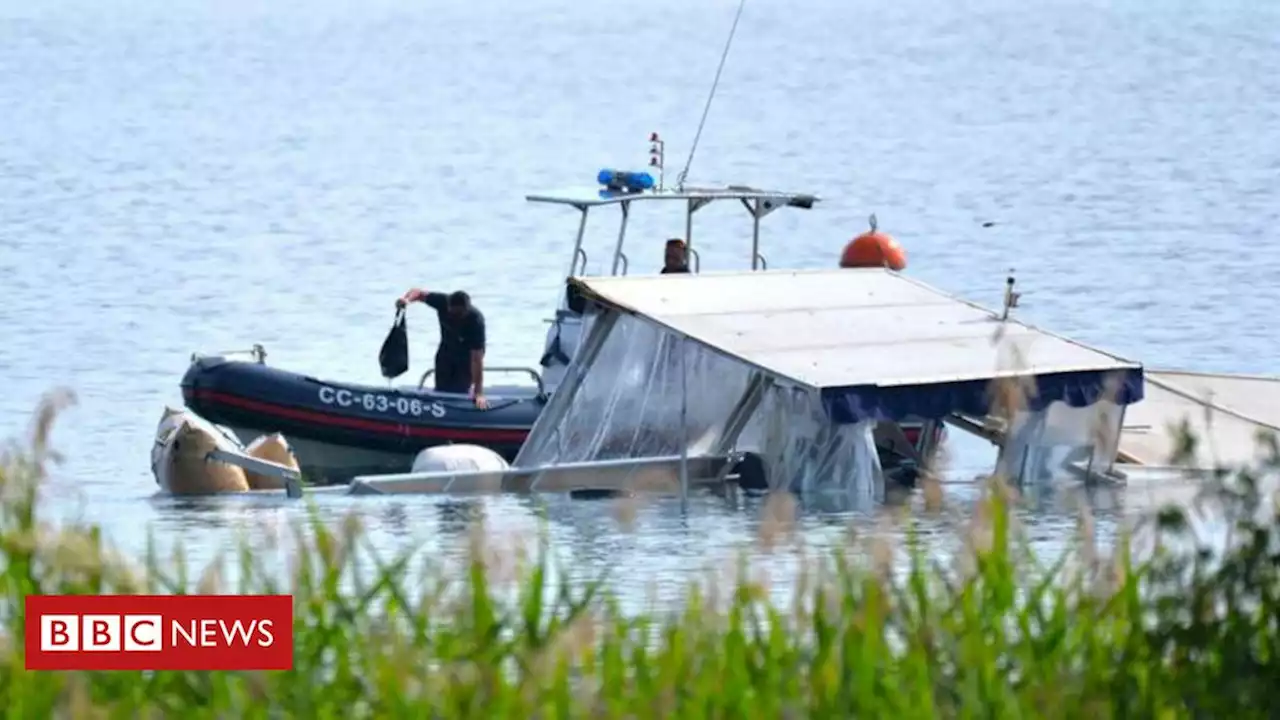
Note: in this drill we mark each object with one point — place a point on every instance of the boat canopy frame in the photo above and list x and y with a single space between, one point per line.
758 203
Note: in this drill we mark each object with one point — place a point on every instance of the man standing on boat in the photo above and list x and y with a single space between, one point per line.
460 357
677 257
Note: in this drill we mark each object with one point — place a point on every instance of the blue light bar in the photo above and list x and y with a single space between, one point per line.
624 181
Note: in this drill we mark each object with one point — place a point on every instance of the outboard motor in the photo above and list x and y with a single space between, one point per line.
563 338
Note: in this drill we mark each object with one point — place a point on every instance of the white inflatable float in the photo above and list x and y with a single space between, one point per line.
459 458
185 457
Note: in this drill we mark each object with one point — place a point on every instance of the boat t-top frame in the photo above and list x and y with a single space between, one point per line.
622 188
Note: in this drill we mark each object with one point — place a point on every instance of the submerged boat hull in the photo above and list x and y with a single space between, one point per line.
340 430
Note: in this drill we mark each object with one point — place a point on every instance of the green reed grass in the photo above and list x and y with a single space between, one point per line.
999 635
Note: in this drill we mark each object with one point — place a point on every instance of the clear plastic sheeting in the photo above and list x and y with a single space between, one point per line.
805 452
1042 445
631 398
629 402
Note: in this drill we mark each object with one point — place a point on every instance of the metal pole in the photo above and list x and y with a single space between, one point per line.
1111 460
622 234
577 246
559 404
684 429
688 222
741 414
755 234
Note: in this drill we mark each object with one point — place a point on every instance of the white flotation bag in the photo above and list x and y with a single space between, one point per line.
179 456
459 458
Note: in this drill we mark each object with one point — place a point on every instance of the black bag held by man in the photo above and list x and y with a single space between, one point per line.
394 356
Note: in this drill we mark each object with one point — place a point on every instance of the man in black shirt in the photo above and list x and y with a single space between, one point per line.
460 356
677 257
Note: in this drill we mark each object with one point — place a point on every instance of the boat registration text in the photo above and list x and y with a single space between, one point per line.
378 402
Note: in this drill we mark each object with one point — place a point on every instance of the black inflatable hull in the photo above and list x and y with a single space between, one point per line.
340 430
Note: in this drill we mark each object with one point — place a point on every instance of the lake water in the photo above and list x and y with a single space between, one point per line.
196 176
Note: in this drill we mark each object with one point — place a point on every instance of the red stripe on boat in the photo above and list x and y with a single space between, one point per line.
479 434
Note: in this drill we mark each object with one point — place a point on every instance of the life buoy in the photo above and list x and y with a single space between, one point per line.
874 249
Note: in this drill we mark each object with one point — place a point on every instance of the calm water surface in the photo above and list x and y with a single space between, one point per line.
187 176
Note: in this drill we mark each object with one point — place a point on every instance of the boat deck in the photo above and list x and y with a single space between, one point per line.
1224 411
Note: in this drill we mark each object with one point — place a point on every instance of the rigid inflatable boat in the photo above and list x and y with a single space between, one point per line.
339 430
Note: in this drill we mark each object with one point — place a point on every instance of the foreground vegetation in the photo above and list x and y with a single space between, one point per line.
1175 635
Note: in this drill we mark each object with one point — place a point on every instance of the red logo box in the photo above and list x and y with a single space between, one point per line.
159 632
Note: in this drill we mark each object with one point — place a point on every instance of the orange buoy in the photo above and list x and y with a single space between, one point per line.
874 249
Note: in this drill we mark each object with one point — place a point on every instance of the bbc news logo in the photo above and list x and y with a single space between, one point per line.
159 632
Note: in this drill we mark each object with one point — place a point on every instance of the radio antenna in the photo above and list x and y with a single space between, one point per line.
710 96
